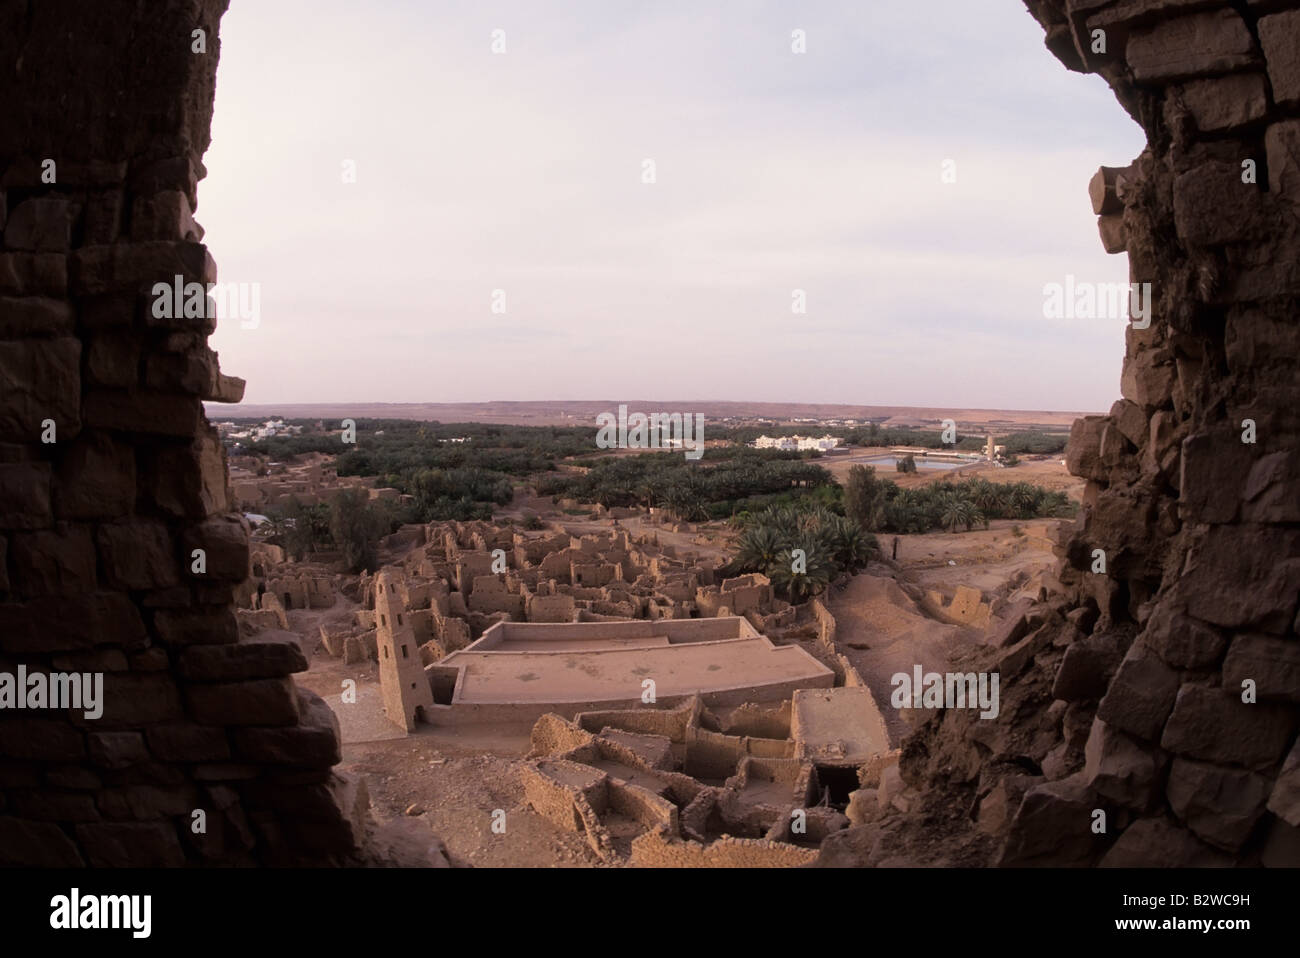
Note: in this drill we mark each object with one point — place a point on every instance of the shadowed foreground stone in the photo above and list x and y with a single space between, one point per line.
100 527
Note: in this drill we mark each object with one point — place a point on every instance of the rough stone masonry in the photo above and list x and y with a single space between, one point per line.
1164 692
107 108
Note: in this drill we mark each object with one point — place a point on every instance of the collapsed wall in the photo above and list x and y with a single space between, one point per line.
1149 712
113 484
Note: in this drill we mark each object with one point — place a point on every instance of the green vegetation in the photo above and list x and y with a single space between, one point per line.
801 549
880 505
693 491
351 523
453 470
1033 443
906 464
356 528
464 470
396 446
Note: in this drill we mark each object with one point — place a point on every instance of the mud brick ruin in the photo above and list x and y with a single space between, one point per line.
440 604
671 788
1121 691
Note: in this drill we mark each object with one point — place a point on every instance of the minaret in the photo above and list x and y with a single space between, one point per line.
988 451
405 688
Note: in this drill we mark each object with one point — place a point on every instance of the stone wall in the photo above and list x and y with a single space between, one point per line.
1162 689
111 477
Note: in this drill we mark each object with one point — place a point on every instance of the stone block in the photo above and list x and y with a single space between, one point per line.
1114 235
224 544
1214 467
131 845
138 554
25 495
58 561
1053 826
188 743
1272 664
190 480
132 699
1159 843
162 414
70 623
1279 35
164 216
28 844
1141 695
40 380
253 702
1221 805
1102 192
1212 206
33 274
95 479
1282 147
145 802
113 360
1243 577
270 654
314 741
1216 726
116 749
194 371
138 267
1270 489
1181 641
1083 451
1225 103
1086 668
1204 43
196 626
41 224
103 217
41 740
1284 800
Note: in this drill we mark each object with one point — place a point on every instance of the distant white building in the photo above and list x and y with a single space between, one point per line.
274 427
796 443
824 444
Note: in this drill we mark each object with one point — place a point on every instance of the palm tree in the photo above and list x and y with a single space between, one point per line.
1024 500
814 573
851 545
952 511
985 495
757 549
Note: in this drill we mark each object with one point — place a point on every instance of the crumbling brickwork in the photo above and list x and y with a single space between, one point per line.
112 482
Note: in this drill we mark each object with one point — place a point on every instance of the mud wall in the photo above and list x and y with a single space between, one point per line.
112 481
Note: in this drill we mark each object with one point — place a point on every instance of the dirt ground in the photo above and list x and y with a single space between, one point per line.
455 781
1048 472
883 631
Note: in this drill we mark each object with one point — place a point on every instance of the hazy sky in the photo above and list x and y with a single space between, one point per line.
775 171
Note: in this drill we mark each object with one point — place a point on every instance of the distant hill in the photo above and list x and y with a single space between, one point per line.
584 411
